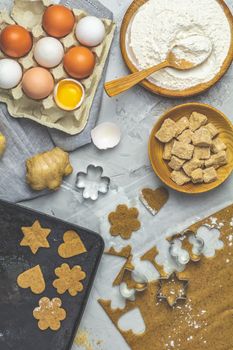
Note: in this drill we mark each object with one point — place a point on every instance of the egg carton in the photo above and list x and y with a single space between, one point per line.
28 14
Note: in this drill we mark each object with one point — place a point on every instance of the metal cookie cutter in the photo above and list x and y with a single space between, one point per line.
92 182
137 284
172 298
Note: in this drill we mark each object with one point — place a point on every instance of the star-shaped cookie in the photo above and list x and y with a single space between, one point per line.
35 237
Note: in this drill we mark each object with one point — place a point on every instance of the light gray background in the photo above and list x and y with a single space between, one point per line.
135 112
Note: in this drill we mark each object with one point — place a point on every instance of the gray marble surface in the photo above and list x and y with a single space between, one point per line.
128 166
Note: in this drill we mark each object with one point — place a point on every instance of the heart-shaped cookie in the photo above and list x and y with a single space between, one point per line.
72 245
33 279
154 200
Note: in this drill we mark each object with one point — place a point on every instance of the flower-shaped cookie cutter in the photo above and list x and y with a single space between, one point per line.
92 182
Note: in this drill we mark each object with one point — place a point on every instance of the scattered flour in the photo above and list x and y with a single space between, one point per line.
159 24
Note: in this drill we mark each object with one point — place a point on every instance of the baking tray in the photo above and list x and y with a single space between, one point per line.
18 328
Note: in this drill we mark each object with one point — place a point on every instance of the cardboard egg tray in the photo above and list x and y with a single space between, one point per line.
28 14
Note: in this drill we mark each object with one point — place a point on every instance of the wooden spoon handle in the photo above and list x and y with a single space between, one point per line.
115 87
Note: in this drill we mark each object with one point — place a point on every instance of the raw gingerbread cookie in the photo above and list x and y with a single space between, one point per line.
176 163
217 160
69 279
192 165
197 120
182 150
33 279
218 145
186 136
202 137
154 200
167 152
210 175
202 153
72 245
124 221
212 129
49 314
167 131
197 176
35 237
179 177
181 125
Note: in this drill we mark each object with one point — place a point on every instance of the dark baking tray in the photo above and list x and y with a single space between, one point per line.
18 328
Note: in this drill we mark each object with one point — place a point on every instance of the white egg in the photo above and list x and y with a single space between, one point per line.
90 31
106 135
48 52
10 73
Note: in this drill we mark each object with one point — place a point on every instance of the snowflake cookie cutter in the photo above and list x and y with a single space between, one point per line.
92 183
173 298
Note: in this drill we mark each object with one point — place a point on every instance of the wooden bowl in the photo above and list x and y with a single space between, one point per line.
160 166
195 90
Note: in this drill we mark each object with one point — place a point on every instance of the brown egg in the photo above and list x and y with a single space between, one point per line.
15 41
38 83
58 21
79 62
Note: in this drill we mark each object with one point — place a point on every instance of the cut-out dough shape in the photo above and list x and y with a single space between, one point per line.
123 253
35 237
124 221
154 200
72 245
127 266
193 324
33 279
172 289
132 321
49 314
69 279
150 256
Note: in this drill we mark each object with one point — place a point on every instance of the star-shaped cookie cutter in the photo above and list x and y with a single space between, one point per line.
174 298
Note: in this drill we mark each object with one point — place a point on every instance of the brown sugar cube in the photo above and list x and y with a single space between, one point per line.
218 145
186 136
210 175
197 176
191 165
176 163
182 150
202 138
181 125
167 152
217 160
197 120
201 153
167 131
212 129
179 177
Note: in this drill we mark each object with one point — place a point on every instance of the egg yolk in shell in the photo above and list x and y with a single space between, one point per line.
69 94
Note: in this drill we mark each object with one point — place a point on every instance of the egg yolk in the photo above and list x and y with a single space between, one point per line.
69 95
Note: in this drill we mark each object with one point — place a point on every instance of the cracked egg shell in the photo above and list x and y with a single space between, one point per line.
106 135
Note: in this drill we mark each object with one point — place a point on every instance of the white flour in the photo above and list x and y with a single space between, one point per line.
160 24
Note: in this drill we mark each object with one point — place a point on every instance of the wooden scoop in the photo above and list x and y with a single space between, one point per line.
115 87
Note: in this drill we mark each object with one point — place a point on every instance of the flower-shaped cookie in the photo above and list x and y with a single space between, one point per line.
49 313
124 221
69 279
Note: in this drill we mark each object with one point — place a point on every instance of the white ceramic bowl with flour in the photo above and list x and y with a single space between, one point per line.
200 28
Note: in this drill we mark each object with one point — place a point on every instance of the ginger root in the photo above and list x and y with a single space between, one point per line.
2 144
46 170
